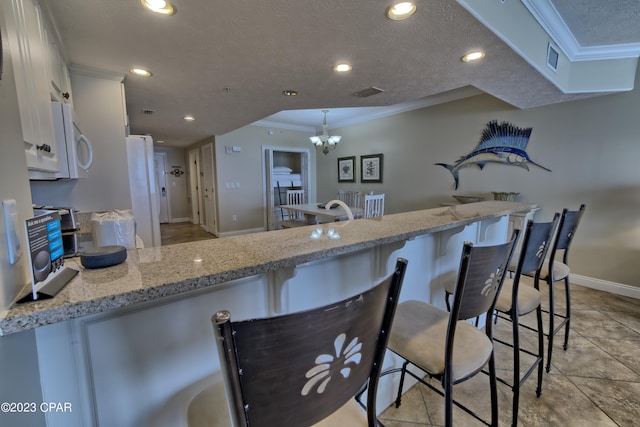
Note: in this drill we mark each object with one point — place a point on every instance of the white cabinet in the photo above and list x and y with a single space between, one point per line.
29 47
58 72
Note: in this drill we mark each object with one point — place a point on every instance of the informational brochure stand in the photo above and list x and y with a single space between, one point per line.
45 251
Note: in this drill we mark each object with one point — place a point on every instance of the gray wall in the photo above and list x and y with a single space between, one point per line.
592 147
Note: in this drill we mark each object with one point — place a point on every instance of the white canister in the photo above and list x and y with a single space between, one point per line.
113 228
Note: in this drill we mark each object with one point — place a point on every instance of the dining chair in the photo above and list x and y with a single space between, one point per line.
373 205
518 297
353 199
294 219
350 197
556 269
304 368
356 204
344 195
443 344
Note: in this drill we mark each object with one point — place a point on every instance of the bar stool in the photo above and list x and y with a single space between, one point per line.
555 271
515 300
442 344
303 368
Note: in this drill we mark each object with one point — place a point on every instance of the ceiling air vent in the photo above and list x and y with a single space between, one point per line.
552 57
368 92
148 111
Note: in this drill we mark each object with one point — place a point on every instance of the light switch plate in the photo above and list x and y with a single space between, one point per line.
10 212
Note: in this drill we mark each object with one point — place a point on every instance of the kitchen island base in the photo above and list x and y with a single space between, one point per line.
140 365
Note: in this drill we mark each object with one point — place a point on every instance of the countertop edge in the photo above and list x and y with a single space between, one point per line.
13 320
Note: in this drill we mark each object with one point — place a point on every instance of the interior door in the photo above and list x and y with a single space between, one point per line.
208 189
194 185
161 182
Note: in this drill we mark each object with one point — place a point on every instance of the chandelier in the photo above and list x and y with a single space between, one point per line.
325 141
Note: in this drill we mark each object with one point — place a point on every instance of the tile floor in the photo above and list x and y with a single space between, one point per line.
596 382
182 232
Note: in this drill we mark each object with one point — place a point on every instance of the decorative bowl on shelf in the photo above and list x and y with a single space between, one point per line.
507 197
468 199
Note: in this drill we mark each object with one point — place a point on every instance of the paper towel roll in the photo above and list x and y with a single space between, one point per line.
115 227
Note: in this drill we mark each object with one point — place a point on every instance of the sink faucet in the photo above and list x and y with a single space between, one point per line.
330 230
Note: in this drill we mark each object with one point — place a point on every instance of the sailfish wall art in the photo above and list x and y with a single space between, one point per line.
500 143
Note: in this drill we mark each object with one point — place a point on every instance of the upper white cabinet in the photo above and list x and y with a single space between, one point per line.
58 72
30 48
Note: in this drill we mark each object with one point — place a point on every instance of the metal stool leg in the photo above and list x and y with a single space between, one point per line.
551 326
568 313
540 350
516 367
399 396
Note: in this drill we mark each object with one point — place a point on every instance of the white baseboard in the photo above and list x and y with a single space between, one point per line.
175 220
239 232
604 285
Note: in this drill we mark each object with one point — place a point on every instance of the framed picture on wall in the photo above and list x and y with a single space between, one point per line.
371 168
346 169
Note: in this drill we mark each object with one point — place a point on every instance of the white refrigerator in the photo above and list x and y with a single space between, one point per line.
145 199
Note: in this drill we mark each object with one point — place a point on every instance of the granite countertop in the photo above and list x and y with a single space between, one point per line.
153 273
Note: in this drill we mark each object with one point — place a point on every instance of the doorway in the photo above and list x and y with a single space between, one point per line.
284 168
163 190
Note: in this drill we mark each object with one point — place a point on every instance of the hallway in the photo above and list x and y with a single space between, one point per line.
181 232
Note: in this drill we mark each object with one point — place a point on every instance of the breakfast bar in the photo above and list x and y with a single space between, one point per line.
125 344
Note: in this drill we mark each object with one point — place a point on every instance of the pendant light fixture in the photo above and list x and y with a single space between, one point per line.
324 141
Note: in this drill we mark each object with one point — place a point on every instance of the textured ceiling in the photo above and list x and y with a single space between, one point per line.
227 63
598 22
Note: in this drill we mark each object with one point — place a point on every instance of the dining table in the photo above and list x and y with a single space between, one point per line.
312 211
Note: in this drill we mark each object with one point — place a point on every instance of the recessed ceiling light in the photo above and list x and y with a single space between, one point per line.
290 92
189 118
473 56
159 6
140 72
400 11
342 68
